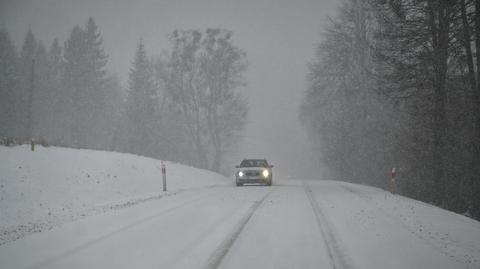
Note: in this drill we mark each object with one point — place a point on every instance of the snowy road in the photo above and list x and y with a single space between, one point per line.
293 224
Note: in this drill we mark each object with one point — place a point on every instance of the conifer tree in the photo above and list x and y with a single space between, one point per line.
95 78
75 85
141 106
8 84
41 95
24 97
85 62
58 97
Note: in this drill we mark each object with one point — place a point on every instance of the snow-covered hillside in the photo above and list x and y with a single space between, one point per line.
50 186
107 210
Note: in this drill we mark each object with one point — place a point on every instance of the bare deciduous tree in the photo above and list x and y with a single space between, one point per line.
204 72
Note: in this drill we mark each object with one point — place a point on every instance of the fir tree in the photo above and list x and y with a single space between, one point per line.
75 86
95 78
85 72
24 97
41 95
142 101
58 96
8 84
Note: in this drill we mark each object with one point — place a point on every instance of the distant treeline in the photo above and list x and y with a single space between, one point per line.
183 107
396 84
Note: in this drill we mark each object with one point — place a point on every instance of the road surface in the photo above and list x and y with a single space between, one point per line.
293 224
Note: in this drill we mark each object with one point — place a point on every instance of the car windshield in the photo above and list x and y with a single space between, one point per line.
254 163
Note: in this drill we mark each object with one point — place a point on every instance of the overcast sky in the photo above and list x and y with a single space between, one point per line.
278 36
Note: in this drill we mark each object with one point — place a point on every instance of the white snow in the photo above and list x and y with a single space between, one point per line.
212 223
50 186
381 230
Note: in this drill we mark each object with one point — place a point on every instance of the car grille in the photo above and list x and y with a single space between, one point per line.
252 173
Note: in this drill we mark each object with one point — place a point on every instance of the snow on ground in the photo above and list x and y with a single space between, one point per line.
293 224
45 188
377 228
204 221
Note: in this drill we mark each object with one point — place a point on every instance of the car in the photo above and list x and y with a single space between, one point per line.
253 171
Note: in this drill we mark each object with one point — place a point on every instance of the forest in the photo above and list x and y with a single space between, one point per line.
183 106
395 84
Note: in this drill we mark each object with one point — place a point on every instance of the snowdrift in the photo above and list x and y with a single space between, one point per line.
49 186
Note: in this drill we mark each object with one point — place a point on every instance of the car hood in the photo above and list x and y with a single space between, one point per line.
253 168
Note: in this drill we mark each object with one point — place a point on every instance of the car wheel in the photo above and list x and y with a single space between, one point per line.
239 184
269 183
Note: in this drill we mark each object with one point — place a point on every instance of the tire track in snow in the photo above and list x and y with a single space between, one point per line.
338 257
13 233
221 251
72 251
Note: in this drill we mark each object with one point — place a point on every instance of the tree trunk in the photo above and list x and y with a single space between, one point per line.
439 23
468 48
476 159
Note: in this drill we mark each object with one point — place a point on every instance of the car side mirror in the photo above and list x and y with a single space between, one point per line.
237 166
271 166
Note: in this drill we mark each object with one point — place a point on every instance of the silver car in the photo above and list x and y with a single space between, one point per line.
254 171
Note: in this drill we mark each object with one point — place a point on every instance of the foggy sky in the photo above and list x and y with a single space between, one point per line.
278 37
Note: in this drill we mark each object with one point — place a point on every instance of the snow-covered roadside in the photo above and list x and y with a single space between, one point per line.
42 189
381 230
454 235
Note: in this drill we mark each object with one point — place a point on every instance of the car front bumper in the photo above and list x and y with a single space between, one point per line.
247 180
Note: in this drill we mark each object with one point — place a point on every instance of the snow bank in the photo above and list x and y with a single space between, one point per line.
398 232
45 188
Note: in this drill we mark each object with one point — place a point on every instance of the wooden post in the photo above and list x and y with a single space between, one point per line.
164 176
392 180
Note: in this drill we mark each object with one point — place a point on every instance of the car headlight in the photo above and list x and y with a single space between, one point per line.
265 173
240 174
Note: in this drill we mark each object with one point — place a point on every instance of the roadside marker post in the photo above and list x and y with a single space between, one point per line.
164 176
393 173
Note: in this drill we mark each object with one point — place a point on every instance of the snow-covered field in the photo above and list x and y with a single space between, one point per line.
124 221
42 189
